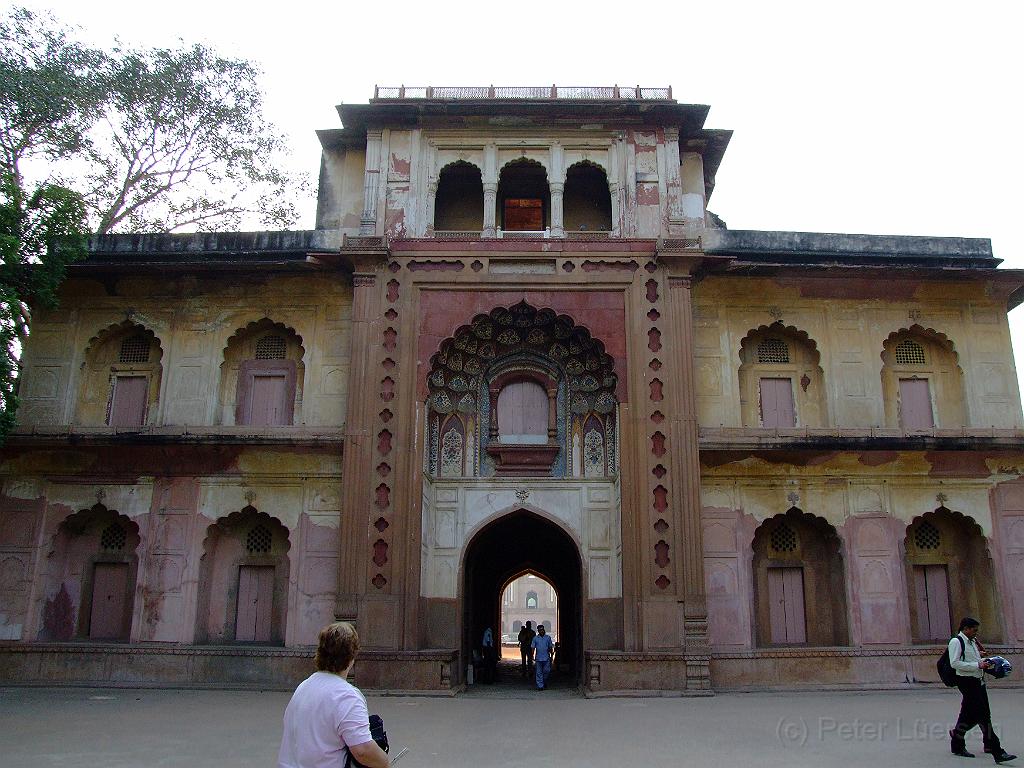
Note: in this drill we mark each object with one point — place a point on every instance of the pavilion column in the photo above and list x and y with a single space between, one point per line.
490 204
431 201
557 216
371 178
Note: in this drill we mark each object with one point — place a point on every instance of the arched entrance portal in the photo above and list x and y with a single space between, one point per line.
519 542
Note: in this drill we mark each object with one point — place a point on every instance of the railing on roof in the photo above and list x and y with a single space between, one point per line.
627 93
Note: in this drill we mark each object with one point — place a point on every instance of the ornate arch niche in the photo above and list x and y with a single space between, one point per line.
949 575
120 383
244 566
261 376
522 347
91 575
922 384
588 201
781 381
799 582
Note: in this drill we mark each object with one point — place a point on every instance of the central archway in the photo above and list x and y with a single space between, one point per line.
520 542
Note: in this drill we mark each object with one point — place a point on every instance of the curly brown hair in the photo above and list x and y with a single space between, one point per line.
337 647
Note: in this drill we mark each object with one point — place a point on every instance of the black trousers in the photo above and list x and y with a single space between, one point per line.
974 711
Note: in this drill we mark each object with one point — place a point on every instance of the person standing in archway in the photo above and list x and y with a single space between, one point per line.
526 635
490 654
542 659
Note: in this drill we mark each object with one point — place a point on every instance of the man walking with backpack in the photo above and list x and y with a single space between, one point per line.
965 656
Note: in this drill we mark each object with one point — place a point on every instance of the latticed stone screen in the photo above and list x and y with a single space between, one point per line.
113 538
772 351
927 536
134 349
258 540
909 352
783 539
271 348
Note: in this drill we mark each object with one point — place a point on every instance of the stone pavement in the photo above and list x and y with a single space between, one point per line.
106 728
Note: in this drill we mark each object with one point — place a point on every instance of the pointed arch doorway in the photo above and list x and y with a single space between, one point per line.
517 543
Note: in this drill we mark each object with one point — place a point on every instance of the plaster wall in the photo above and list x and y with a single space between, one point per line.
340 198
193 320
849 331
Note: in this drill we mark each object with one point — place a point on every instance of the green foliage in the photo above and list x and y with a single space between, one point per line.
118 141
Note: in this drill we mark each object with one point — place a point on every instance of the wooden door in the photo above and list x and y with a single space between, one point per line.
267 399
523 413
255 603
109 599
931 587
777 403
128 401
915 404
523 214
786 605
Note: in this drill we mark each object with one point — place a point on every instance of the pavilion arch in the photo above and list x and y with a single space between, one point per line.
782 384
588 202
90 577
922 383
524 197
243 580
950 575
459 202
520 605
120 381
261 376
799 582
507 546
522 347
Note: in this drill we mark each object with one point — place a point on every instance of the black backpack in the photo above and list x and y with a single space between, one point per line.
379 735
945 667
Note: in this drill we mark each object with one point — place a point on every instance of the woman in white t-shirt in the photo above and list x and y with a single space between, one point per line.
326 717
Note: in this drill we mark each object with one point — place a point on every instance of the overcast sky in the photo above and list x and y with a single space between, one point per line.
870 117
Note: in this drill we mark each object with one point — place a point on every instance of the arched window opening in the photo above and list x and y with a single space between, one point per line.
799 589
523 413
524 200
261 376
587 202
121 381
459 204
922 384
531 599
781 381
949 575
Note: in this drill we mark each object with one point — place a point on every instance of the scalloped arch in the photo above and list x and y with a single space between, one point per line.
790 330
929 333
255 326
969 522
78 521
459 162
795 513
238 516
524 160
588 162
109 331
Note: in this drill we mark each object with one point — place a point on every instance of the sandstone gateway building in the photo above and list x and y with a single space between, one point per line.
516 342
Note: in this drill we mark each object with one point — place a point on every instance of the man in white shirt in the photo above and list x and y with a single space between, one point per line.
326 718
965 656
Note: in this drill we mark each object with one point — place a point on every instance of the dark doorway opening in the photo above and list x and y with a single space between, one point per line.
523 542
524 200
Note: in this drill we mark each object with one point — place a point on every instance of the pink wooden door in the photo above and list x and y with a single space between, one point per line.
786 605
109 588
777 403
128 401
915 404
255 603
267 399
931 585
523 413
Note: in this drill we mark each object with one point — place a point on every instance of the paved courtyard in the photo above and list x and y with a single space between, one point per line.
506 725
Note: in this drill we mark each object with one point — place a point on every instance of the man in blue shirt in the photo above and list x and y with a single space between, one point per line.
542 647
